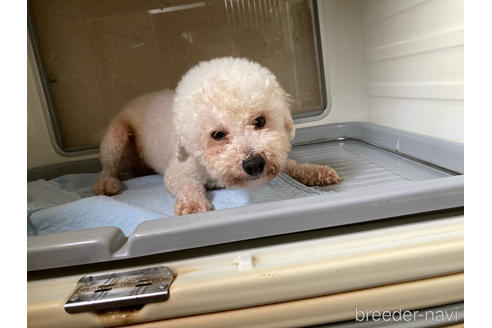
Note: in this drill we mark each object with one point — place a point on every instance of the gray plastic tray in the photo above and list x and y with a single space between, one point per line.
386 173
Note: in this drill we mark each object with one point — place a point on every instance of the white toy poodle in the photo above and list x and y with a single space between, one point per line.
228 124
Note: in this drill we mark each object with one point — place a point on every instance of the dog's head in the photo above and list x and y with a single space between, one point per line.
233 117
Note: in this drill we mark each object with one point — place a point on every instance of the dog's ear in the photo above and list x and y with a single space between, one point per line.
290 127
181 152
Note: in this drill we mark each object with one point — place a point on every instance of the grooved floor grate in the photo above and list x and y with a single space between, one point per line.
361 165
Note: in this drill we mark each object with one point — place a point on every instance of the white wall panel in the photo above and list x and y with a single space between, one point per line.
434 66
419 18
439 118
415 58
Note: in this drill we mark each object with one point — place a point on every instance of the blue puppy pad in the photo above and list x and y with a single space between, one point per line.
66 203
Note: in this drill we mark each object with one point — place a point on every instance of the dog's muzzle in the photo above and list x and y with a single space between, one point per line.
254 165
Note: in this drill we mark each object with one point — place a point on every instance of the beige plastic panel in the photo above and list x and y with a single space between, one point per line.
298 270
332 308
98 55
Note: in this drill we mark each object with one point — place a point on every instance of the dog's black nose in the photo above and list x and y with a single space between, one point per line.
254 165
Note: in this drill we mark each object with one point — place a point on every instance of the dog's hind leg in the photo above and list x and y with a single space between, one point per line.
114 154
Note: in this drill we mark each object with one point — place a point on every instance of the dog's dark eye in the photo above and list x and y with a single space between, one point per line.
218 135
259 122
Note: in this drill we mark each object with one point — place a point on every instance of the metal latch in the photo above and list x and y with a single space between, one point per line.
126 288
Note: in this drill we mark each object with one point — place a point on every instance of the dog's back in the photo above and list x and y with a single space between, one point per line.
139 140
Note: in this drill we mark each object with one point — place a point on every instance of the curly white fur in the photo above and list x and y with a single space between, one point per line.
171 133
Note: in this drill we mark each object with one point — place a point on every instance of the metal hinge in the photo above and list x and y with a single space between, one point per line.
119 289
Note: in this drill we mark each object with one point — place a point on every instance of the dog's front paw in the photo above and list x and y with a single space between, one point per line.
106 186
190 206
324 175
318 175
